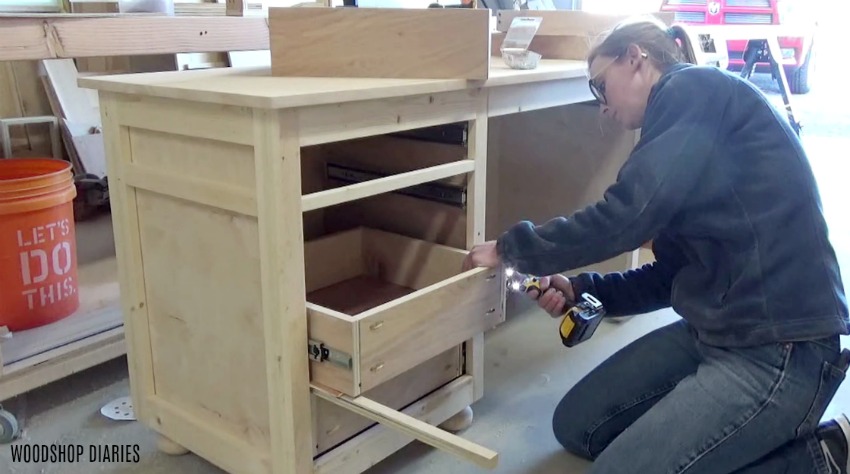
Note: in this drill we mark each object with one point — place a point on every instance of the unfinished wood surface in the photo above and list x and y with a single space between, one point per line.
61 362
571 22
391 294
278 175
412 426
377 443
411 263
374 42
370 292
403 261
404 332
205 313
391 154
550 47
335 424
116 64
255 87
21 95
188 121
128 252
79 112
386 184
366 118
411 216
476 209
429 221
519 98
572 152
208 437
70 36
334 330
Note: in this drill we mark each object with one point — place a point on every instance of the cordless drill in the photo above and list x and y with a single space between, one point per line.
578 322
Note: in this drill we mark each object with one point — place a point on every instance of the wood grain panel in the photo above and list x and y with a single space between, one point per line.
389 43
69 36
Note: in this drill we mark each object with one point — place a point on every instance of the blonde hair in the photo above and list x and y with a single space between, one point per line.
664 46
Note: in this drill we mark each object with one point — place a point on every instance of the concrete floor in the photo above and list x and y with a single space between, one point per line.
527 369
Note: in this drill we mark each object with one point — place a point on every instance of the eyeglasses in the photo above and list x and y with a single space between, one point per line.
598 91
598 88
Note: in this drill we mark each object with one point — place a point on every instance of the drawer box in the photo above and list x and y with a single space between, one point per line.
380 303
334 424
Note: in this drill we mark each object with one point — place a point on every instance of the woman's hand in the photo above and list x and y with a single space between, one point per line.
482 255
557 294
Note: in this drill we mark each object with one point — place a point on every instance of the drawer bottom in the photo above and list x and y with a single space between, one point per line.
358 294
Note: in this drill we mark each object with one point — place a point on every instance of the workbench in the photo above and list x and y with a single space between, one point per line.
274 313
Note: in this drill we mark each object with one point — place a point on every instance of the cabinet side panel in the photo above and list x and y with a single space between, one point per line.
208 160
202 280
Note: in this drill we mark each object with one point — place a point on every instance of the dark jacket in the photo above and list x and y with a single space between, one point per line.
721 184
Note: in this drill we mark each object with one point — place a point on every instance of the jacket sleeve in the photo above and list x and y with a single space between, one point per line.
680 131
636 291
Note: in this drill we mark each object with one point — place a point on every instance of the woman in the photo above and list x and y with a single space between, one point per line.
722 186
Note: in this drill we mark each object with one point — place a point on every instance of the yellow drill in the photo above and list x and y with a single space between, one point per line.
578 322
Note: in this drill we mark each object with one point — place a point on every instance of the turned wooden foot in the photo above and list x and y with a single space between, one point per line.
460 421
170 447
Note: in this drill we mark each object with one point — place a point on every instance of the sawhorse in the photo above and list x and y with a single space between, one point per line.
763 50
763 45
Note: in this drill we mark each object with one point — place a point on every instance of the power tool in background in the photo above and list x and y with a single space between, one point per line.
578 323
92 196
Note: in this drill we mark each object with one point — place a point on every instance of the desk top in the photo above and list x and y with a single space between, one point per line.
255 87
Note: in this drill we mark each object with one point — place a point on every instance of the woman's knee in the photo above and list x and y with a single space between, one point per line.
569 429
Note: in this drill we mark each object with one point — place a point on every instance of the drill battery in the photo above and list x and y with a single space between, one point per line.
581 320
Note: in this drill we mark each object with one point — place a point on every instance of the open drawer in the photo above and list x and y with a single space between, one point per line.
379 304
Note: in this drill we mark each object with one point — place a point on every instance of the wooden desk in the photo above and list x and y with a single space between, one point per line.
235 249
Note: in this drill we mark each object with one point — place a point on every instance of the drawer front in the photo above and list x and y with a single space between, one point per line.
412 329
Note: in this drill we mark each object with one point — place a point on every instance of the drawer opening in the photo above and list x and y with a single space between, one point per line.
433 210
357 270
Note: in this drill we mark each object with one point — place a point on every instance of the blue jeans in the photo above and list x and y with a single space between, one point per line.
668 403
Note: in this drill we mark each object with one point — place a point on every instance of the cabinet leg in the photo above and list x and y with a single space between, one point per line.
461 421
170 447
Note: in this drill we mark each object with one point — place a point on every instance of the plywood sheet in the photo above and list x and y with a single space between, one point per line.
381 43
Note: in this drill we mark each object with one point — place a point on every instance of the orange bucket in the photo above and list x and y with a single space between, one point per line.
38 245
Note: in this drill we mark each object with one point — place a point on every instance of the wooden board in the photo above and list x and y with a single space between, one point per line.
335 424
21 95
571 22
592 153
552 47
70 36
564 34
382 43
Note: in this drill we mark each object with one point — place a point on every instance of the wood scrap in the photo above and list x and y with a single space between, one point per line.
79 113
